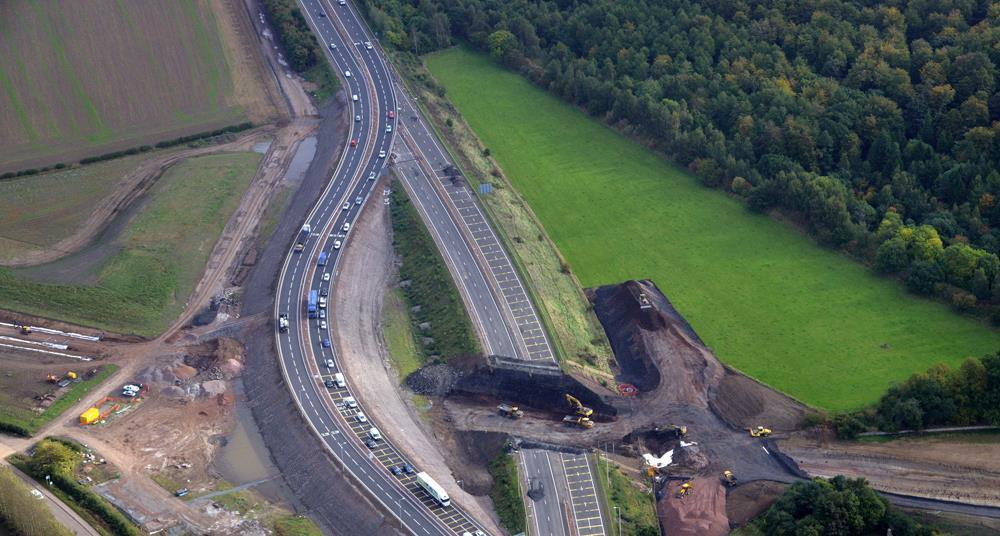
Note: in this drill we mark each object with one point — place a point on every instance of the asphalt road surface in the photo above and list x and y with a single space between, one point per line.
562 494
308 360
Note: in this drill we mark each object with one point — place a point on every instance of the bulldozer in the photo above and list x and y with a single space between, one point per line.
511 412
674 431
578 407
686 489
582 422
759 431
728 478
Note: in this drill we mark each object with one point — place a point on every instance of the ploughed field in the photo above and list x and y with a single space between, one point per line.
85 78
762 295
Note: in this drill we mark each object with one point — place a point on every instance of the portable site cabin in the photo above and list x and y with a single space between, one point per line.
89 416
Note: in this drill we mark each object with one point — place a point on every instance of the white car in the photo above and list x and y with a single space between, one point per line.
333 46
357 118
329 363
322 324
354 98
326 276
347 206
350 402
347 74
358 200
346 227
388 128
360 417
371 176
342 2
368 45
336 244
381 154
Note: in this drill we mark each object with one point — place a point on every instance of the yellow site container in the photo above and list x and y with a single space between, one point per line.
89 416
71 375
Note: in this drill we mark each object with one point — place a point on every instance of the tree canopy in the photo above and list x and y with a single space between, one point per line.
845 114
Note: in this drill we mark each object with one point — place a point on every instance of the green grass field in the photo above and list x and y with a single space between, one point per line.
765 297
18 413
84 78
398 331
38 211
144 287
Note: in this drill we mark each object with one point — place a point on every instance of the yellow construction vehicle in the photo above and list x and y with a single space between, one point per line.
759 431
578 407
25 329
728 478
686 489
677 432
582 422
512 412
51 378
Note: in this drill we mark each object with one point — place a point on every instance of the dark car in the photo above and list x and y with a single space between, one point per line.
371 443
408 469
324 292
321 14
181 492
396 470
329 384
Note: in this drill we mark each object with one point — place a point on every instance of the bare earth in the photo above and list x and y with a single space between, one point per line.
366 270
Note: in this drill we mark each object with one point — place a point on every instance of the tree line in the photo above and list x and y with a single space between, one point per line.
834 507
297 40
942 396
874 124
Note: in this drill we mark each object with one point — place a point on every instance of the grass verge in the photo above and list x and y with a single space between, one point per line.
428 286
23 515
506 493
638 511
568 317
26 423
764 296
326 84
398 331
144 286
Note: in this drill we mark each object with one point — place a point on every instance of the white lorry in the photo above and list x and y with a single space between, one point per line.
433 489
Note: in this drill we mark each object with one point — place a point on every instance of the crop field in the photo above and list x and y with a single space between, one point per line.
85 78
164 249
763 296
40 210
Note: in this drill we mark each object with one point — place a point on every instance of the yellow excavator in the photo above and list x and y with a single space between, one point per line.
728 478
759 431
509 411
578 407
686 489
582 422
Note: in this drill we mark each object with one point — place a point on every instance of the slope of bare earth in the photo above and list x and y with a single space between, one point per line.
366 270
702 513
961 468
85 78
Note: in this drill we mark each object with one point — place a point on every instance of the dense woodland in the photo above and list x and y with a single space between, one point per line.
872 122
839 506
294 34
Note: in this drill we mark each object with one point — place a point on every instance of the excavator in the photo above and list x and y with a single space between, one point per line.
686 489
728 478
582 422
676 432
578 407
509 411
759 431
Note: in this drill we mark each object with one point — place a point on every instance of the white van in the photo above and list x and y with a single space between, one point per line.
354 98
374 434
338 379
347 74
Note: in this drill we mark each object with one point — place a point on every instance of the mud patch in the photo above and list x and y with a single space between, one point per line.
747 501
700 513
744 403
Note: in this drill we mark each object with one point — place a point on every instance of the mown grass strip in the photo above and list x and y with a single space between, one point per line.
763 296
637 509
506 493
26 423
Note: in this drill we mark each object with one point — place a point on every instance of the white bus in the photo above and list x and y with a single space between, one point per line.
433 489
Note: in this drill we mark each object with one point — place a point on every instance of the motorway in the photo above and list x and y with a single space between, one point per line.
307 361
564 500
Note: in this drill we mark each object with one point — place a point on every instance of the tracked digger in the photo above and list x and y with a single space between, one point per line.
578 406
760 431
728 478
686 489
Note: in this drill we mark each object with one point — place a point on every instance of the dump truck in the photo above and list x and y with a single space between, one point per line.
509 411
728 478
283 323
578 407
582 422
759 431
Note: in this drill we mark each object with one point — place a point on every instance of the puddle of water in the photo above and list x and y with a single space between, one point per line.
262 146
304 154
242 457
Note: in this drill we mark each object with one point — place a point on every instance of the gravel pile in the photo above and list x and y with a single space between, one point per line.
436 380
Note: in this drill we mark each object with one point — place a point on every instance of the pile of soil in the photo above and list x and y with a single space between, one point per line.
747 501
701 513
744 403
433 380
